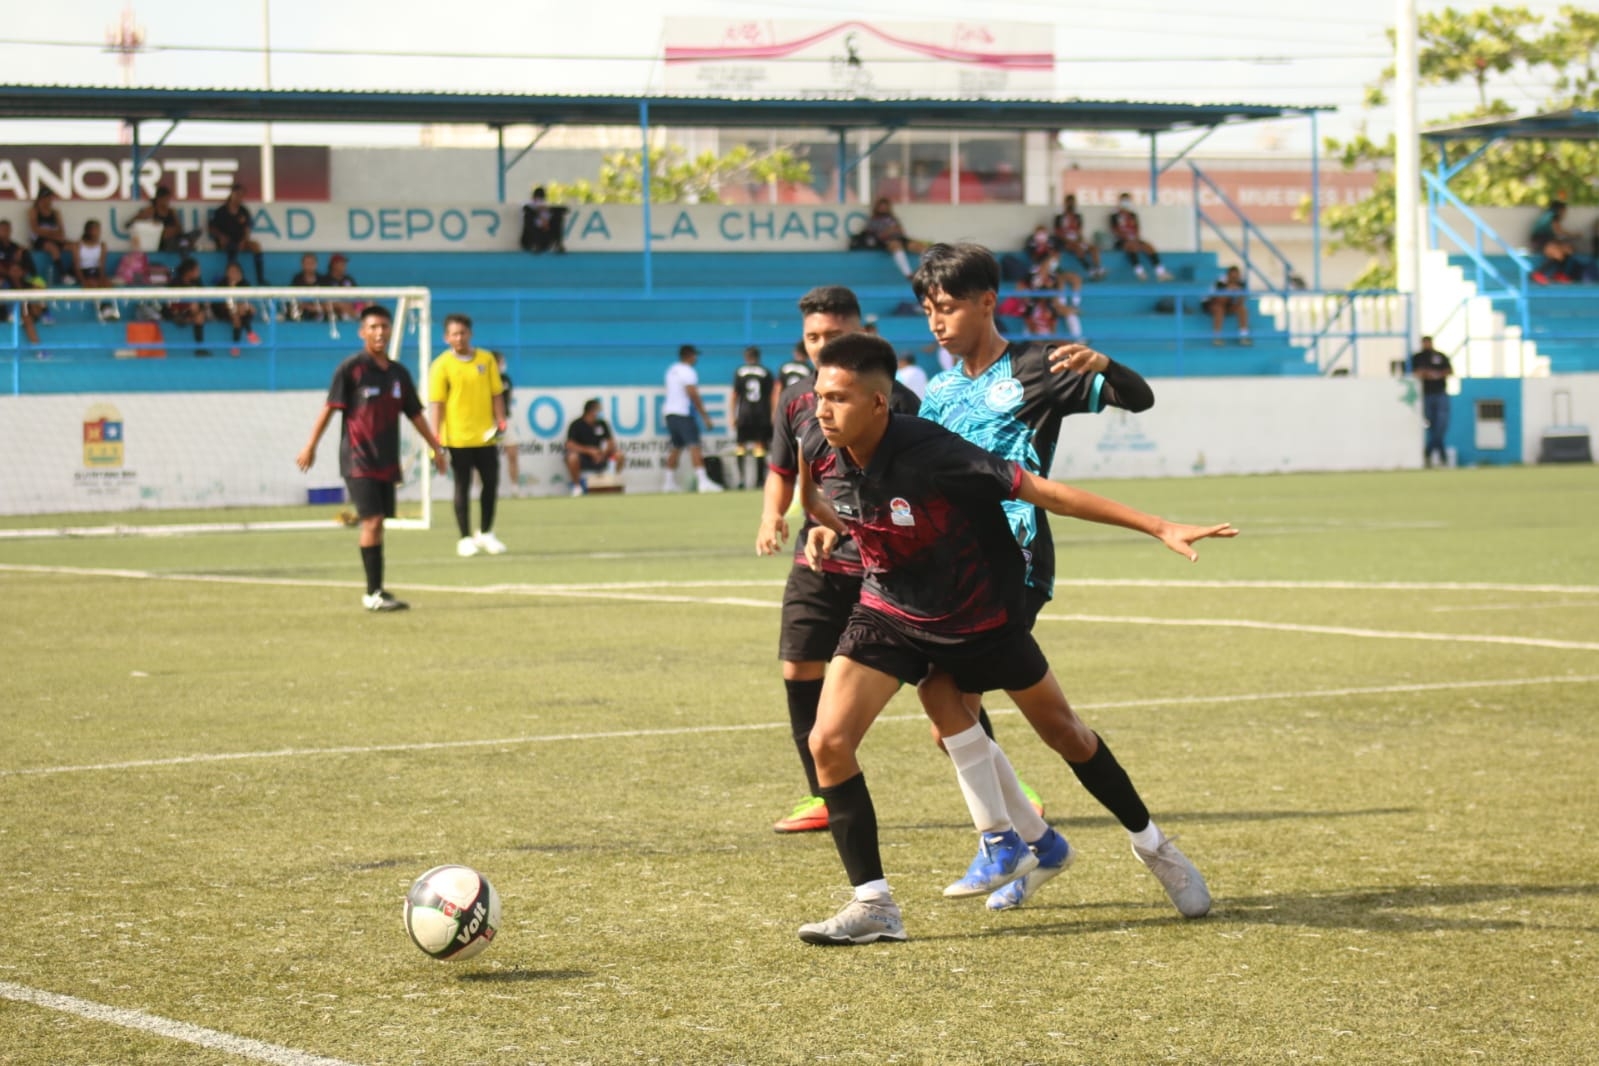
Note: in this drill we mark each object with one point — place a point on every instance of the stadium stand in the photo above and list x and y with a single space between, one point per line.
1563 320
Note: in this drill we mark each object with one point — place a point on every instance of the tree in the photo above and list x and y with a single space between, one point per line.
1456 46
677 178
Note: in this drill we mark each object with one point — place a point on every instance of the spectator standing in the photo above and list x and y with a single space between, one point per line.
1070 238
48 235
468 407
1227 297
910 375
752 416
372 393
236 310
543 225
307 278
188 312
682 401
1432 368
590 448
883 231
230 229
1124 226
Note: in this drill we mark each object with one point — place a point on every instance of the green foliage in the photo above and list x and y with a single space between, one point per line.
1478 46
677 177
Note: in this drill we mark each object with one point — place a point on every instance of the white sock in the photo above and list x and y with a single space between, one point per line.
1074 325
974 769
902 261
1022 816
1148 838
1243 331
874 891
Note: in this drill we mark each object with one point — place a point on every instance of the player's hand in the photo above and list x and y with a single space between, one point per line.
772 535
1077 357
441 460
305 459
1180 538
819 545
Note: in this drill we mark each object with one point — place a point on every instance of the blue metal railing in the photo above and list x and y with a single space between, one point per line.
1250 232
1490 280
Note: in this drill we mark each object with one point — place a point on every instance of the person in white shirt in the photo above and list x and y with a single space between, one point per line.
682 400
910 375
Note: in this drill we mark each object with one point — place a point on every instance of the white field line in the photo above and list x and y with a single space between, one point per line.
1328 631
700 730
166 1027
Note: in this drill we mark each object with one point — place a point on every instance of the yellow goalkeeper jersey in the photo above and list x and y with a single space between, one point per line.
466 387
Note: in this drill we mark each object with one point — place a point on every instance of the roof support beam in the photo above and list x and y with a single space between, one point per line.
499 148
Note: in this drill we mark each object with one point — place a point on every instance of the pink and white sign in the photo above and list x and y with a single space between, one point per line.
731 57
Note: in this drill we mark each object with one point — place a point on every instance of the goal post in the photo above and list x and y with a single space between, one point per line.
116 427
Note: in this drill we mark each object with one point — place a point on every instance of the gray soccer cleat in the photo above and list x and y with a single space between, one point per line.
860 922
1179 877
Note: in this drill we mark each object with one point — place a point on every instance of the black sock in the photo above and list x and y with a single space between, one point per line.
372 561
199 334
1107 782
853 821
760 471
489 493
260 268
1154 258
1132 257
803 698
982 720
238 332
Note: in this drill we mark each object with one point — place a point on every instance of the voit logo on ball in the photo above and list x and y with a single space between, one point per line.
102 437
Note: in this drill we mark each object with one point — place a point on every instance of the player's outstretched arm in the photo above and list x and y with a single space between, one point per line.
1128 389
1060 499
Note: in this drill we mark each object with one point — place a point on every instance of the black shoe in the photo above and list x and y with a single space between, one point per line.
382 601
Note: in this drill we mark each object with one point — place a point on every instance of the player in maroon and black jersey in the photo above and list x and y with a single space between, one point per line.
815 604
373 393
943 587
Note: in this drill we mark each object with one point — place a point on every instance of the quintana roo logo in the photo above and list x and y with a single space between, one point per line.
1004 395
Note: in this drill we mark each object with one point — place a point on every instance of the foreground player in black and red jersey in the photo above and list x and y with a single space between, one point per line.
373 392
943 586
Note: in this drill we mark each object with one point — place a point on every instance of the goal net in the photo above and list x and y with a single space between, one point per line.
121 419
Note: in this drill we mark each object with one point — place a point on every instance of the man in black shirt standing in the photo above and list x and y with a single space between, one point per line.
944 587
372 392
1432 368
752 415
230 229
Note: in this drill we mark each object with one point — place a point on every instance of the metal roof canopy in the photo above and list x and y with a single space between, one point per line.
504 109
1550 126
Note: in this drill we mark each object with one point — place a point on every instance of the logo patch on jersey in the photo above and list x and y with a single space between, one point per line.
1004 395
899 512
370 391
396 390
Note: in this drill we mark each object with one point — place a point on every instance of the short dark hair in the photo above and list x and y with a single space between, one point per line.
686 350
752 350
861 354
163 190
959 271
452 319
376 311
591 405
830 300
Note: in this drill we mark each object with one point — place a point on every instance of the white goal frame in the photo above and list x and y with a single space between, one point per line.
408 300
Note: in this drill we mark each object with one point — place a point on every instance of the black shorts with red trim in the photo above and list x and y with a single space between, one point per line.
816 608
1006 658
370 496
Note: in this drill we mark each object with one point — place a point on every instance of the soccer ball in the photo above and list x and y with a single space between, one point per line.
452 912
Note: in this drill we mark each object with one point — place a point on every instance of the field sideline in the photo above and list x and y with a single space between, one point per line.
1371 718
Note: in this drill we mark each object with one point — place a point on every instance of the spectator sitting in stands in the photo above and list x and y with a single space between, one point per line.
883 231
1222 301
239 312
230 229
14 277
91 266
14 254
307 278
1124 226
591 448
337 278
1068 236
188 312
910 375
543 225
49 238
161 211
1046 309
1558 247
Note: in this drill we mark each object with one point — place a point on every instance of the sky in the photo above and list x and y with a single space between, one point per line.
1285 52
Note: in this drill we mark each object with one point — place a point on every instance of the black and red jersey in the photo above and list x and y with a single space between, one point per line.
797 436
927 512
373 399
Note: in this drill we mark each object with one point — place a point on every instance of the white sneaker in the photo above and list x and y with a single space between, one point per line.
382 601
1141 273
669 484
577 490
703 483
490 543
466 547
859 922
1162 274
1178 876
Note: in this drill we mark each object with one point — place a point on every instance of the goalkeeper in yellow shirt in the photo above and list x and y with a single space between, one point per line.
467 401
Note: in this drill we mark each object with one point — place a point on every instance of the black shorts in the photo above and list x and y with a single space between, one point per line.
1007 658
683 430
589 464
370 496
816 608
753 431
